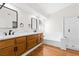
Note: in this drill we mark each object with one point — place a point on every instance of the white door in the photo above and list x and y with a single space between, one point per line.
71 32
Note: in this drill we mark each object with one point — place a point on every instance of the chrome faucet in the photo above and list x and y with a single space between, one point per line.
10 31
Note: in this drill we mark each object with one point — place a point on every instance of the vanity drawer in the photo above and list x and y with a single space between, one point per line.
20 40
7 43
30 40
30 36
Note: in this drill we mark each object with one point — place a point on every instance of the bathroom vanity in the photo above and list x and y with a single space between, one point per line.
18 45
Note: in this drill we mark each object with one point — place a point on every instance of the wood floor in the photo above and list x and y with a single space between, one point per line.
47 50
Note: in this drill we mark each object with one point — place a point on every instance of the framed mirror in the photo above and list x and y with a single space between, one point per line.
8 18
34 25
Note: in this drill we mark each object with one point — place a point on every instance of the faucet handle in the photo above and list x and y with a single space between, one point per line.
5 33
13 33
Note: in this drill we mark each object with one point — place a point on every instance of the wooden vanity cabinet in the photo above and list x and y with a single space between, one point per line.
20 45
7 47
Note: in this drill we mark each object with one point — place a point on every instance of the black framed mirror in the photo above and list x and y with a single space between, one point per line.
8 18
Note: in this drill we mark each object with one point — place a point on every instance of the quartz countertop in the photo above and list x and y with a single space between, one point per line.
2 37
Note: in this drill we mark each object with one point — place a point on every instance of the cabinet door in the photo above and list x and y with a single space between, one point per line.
9 51
31 42
38 39
7 47
20 45
21 48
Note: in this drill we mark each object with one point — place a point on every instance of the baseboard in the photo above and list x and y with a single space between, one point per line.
26 53
54 43
72 50
52 46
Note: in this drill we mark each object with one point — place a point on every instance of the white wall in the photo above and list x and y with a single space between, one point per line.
24 16
54 25
53 29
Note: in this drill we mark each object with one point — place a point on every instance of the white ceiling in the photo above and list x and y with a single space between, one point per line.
48 8
45 9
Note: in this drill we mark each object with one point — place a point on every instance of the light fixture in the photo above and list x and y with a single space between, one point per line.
2 5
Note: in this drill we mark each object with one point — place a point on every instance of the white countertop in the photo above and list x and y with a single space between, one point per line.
16 35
